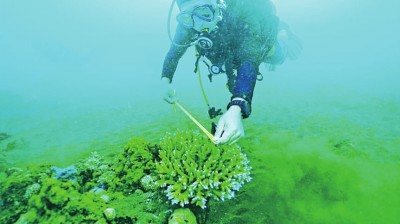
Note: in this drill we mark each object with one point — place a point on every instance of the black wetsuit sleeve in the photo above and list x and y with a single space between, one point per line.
247 71
255 29
182 37
246 80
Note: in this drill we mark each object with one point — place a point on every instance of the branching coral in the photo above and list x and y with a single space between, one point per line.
192 169
94 172
188 167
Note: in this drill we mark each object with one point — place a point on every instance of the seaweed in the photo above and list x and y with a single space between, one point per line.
92 191
4 136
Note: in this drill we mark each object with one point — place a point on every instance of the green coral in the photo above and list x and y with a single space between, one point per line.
182 216
32 190
37 196
192 169
135 162
94 172
17 188
139 207
189 168
60 201
12 191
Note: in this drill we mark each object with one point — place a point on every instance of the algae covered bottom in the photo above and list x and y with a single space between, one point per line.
123 190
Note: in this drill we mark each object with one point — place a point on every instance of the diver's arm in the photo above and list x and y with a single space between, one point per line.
245 83
182 37
230 128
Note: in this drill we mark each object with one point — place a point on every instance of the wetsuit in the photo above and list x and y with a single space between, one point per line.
241 42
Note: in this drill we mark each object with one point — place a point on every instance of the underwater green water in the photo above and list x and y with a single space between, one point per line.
323 138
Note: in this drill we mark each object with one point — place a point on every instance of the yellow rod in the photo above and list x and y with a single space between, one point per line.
209 135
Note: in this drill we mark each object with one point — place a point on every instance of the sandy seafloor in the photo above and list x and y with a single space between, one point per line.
323 138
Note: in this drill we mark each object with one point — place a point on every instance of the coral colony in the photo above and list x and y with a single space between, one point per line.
192 169
185 168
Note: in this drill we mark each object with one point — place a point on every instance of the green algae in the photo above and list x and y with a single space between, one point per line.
305 175
4 136
8 143
16 189
309 179
36 196
136 161
132 187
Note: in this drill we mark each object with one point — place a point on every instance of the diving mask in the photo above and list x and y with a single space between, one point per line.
201 17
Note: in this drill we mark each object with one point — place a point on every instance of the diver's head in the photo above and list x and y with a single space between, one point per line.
201 15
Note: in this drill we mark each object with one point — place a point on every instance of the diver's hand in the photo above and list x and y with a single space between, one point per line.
229 128
168 90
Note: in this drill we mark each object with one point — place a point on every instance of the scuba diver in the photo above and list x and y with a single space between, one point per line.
233 37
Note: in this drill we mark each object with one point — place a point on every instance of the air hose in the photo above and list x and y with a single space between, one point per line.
169 27
201 82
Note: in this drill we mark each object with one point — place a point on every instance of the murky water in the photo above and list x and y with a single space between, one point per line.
323 138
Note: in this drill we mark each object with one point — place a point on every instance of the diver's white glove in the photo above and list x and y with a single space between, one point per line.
229 128
168 91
